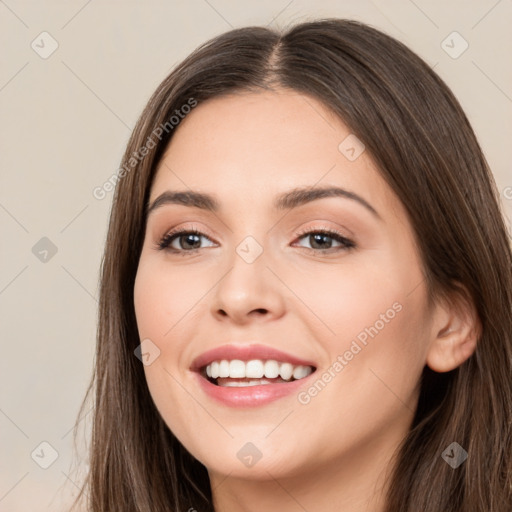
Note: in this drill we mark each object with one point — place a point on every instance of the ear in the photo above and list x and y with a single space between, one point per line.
455 332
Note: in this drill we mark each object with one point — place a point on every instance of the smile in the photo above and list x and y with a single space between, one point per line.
256 372
250 375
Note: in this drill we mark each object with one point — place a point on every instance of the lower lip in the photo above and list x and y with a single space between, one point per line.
250 396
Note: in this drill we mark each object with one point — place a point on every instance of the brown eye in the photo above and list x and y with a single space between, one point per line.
187 240
323 240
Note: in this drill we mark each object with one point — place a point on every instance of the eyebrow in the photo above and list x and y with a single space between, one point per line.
288 200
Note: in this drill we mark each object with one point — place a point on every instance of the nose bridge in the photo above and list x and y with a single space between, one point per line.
248 285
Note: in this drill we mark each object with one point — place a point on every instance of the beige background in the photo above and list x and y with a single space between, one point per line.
65 121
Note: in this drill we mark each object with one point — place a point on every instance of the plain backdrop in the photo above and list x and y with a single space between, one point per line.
74 77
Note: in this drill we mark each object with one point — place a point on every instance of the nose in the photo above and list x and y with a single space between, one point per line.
248 292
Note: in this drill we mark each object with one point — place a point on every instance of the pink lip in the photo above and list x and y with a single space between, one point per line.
249 396
246 353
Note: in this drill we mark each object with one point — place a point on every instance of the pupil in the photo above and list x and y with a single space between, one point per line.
318 238
188 238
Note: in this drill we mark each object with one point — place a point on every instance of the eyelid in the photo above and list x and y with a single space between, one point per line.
346 244
186 227
325 228
182 229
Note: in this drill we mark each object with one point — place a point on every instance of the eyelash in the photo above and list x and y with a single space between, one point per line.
168 238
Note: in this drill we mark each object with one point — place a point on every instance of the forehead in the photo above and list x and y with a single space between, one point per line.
252 145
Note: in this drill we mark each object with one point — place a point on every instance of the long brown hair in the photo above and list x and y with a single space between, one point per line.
420 139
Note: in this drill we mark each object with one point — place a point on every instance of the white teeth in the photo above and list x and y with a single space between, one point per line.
255 369
224 368
238 384
271 369
299 372
237 369
286 371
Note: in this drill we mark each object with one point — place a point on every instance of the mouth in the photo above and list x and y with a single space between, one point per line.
256 372
250 375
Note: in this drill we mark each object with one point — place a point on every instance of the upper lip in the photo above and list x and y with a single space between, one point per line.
246 353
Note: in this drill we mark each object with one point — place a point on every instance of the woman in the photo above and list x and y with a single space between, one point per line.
306 289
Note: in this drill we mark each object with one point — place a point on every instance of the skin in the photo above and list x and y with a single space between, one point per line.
333 452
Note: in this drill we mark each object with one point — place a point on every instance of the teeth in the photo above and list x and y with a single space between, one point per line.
299 372
238 384
286 371
271 369
224 368
236 369
255 369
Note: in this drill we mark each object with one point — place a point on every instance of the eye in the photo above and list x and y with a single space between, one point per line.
321 240
188 240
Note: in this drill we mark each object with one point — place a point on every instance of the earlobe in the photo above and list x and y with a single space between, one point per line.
455 335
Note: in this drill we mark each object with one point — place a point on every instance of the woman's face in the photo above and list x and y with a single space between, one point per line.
282 280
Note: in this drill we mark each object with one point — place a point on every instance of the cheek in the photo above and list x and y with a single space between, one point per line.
167 304
162 297
351 298
165 300
374 327
368 388
378 349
